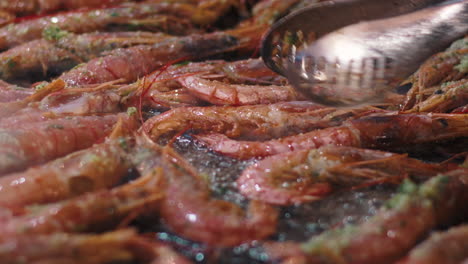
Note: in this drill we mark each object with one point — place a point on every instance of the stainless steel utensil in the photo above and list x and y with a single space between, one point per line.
357 64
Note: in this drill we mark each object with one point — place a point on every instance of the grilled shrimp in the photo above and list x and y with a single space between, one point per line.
32 144
405 219
76 248
307 175
99 210
448 247
99 167
450 96
64 50
11 92
219 93
189 210
127 16
24 7
146 58
443 67
258 122
388 131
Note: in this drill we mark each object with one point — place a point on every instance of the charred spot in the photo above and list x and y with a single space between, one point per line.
379 119
443 122
81 184
403 89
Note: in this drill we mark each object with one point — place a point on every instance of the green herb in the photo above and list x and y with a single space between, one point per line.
40 86
463 66
182 63
131 111
11 63
54 33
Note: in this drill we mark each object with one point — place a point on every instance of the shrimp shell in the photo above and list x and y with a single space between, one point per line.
219 93
36 143
99 167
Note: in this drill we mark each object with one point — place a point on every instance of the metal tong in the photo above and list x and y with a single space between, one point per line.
361 63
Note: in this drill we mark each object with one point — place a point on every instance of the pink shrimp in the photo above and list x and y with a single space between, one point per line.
36 143
23 7
450 96
99 210
307 175
219 93
61 51
438 69
448 247
92 20
146 58
11 92
189 210
99 167
113 246
405 219
388 131
255 122
117 246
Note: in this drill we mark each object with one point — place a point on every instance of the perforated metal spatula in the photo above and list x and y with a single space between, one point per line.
358 64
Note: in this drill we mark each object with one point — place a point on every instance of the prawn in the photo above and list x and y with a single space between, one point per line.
219 93
126 17
449 247
24 7
78 248
147 58
450 96
308 175
33 144
189 210
98 167
250 122
388 131
397 227
440 68
64 50
88 212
